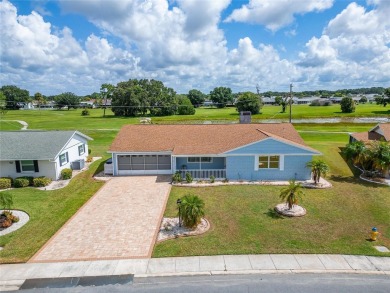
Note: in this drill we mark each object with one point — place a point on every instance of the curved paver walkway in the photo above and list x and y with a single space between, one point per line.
120 221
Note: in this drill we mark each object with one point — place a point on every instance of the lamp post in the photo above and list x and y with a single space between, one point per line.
178 202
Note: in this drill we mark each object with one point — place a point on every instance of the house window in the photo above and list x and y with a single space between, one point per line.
64 159
81 149
269 162
199 159
27 166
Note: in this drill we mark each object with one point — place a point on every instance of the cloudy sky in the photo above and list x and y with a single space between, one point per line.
67 45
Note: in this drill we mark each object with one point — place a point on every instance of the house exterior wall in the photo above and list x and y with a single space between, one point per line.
73 153
217 163
46 168
269 147
243 167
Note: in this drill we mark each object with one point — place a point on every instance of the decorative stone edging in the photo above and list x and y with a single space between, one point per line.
368 180
175 231
296 211
23 219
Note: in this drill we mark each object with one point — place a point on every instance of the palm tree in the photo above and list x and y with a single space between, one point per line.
318 168
380 155
291 193
191 210
359 154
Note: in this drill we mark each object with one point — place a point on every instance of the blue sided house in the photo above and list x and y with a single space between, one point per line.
233 151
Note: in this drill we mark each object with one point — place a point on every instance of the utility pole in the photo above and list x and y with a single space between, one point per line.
291 86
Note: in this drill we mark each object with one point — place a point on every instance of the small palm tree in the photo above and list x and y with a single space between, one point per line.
358 153
291 193
191 210
318 168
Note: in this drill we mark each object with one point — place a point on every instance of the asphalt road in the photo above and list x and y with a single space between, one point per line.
291 283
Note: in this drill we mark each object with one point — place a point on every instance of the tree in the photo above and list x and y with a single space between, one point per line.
3 104
359 154
248 102
278 100
191 210
291 193
40 99
127 101
363 100
14 96
185 107
106 91
384 99
318 168
221 96
196 97
67 99
347 105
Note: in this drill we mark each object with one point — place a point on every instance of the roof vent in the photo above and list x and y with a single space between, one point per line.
245 117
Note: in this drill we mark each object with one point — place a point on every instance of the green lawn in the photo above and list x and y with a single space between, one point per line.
48 211
72 119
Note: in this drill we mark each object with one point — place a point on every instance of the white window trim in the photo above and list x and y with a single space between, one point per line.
281 163
200 160
66 159
27 171
83 146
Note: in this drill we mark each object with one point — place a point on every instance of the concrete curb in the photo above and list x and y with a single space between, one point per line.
12 276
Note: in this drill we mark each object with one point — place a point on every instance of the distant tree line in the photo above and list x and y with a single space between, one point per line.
151 97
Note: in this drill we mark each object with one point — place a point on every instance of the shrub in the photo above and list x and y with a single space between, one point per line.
225 180
188 177
21 182
212 179
41 181
5 183
191 210
66 174
347 105
185 107
85 112
315 103
176 177
89 159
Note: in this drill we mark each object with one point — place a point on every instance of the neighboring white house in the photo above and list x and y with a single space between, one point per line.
41 153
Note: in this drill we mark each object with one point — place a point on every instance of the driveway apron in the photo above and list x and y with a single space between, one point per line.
120 221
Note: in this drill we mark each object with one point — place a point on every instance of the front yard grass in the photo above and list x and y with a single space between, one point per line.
48 211
242 221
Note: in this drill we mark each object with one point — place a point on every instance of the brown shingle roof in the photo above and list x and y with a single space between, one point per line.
373 133
200 139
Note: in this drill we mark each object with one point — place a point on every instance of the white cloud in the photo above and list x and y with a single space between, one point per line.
34 57
275 14
353 49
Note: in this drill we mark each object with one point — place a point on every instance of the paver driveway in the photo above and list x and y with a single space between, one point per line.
120 221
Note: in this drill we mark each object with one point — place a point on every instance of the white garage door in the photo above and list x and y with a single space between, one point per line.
144 164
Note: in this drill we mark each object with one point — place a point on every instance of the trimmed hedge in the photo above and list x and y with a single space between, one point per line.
5 183
21 182
41 181
66 173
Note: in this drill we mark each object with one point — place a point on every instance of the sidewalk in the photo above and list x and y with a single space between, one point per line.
12 276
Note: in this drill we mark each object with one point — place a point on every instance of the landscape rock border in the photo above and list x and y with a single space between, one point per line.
296 211
175 231
307 184
23 219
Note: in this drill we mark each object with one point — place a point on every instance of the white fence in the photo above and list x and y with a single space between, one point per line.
205 174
